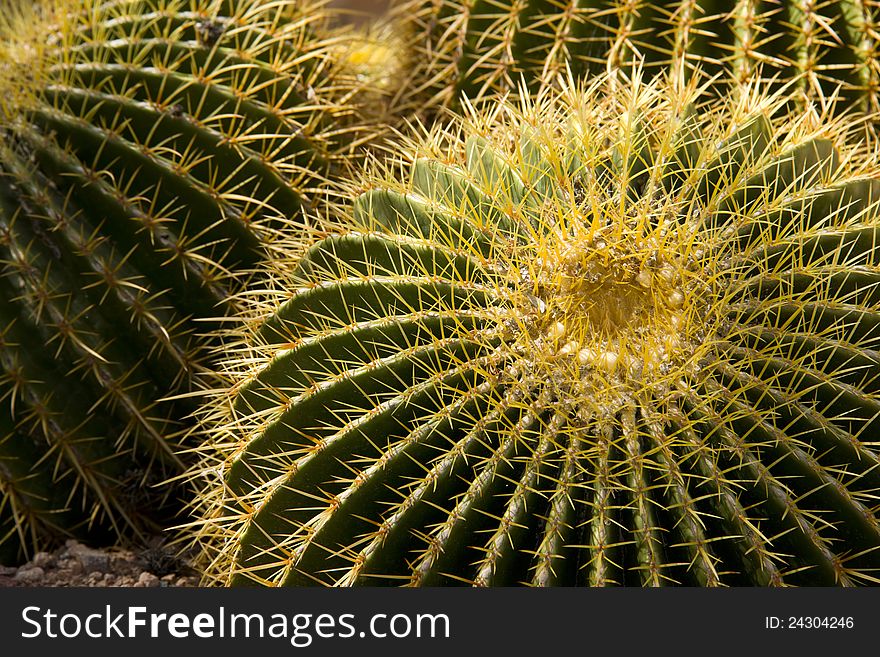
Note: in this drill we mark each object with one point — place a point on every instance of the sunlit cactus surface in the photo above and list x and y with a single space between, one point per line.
609 336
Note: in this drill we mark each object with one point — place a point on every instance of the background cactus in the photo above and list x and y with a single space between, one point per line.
475 46
375 57
612 336
151 151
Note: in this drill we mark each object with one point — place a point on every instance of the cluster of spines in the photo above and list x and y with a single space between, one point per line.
152 155
474 47
404 416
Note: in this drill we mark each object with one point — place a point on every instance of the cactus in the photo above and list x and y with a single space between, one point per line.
608 335
476 46
152 151
375 57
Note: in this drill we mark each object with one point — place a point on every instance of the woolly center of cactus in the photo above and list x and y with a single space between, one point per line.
613 304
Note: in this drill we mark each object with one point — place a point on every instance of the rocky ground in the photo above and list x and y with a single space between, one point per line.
76 564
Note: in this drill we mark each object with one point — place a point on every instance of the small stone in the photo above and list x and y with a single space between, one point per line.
148 580
43 559
8 571
91 560
169 578
30 575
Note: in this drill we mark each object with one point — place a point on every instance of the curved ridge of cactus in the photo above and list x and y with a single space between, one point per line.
152 152
612 335
477 46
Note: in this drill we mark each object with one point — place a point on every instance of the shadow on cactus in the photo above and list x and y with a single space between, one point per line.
151 152
611 336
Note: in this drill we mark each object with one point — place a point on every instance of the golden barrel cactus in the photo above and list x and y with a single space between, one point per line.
613 335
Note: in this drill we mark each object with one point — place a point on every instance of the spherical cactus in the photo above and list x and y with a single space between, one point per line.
475 46
151 151
613 336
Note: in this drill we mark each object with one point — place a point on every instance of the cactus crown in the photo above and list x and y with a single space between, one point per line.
608 336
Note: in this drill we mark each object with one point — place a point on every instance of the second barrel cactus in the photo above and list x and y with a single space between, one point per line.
151 151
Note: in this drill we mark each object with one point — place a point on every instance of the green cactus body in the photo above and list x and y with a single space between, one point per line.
476 46
612 336
151 152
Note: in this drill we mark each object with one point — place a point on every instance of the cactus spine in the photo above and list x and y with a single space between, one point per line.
152 150
477 46
607 336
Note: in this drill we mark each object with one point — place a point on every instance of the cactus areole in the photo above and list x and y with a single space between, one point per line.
610 336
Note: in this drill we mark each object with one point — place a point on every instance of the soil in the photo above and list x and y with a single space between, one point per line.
77 564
